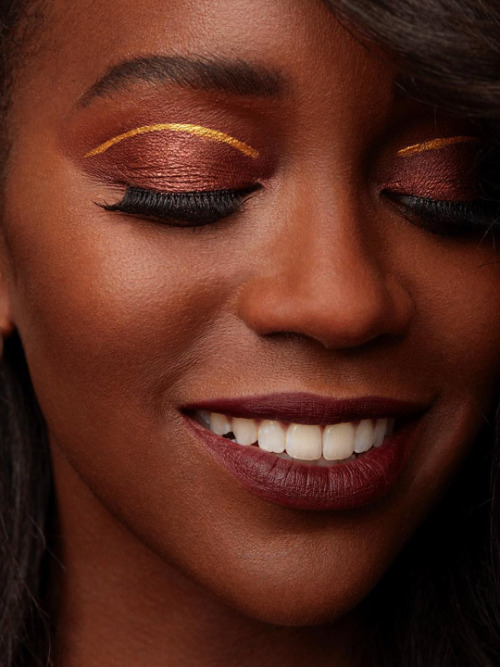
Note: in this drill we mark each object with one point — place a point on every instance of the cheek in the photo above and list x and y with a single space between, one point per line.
109 309
454 347
465 316
454 339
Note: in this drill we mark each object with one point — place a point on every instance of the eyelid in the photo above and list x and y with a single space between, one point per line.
435 144
197 130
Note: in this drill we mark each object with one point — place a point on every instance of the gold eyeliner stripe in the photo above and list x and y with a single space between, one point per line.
434 144
198 130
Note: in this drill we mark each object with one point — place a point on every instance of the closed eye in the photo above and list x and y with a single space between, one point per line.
448 218
182 209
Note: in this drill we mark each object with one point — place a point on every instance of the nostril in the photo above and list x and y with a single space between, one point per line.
334 322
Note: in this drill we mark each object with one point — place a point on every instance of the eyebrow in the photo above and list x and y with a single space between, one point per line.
233 77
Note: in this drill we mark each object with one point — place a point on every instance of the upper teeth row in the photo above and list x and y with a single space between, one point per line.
335 442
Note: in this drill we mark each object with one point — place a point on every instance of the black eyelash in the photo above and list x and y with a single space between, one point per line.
449 218
182 209
198 208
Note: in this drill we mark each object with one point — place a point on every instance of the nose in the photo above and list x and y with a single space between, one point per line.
333 287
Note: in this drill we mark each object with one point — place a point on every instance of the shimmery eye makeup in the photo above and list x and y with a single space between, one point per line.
175 180
441 169
439 186
186 128
435 144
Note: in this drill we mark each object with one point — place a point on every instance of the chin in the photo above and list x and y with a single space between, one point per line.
295 598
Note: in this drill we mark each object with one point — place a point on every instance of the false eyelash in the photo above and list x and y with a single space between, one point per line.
182 209
449 218
198 208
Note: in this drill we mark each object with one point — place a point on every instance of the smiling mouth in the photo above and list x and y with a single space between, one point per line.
307 451
316 444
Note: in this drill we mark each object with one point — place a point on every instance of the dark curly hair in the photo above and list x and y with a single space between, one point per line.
439 604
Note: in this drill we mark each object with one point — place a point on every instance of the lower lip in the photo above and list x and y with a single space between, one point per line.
341 486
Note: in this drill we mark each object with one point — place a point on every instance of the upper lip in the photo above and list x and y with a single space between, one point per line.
305 408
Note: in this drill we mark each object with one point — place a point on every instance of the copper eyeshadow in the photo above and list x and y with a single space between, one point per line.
176 162
448 173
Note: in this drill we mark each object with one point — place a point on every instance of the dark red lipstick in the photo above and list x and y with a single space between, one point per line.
299 484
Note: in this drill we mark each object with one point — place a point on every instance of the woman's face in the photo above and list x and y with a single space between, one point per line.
316 301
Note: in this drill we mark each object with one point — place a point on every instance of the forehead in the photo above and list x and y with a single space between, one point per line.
317 58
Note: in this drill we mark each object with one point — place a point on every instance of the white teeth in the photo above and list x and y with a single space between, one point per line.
379 432
338 441
304 442
335 442
363 438
219 424
245 431
272 436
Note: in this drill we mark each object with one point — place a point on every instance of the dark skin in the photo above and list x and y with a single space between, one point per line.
319 284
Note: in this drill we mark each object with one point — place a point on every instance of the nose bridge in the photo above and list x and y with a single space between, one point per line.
327 280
